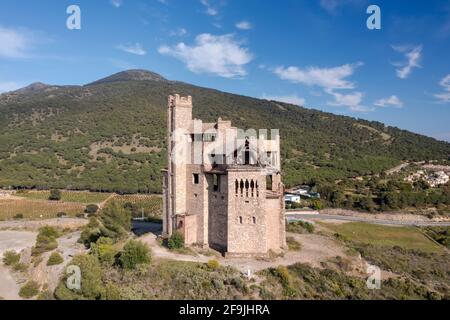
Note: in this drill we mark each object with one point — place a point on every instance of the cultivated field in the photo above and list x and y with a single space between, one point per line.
151 204
37 209
35 204
68 196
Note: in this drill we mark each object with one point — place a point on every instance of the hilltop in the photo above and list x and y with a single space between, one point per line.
109 135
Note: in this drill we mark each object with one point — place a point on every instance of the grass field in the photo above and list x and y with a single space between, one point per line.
379 235
151 204
37 209
68 196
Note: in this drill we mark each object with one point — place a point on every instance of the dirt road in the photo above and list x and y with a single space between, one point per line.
17 241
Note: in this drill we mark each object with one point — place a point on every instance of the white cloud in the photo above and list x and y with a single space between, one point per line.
327 78
136 49
7 86
292 99
210 10
352 100
392 101
219 55
244 25
444 97
117 3
14 43
330 80
413 57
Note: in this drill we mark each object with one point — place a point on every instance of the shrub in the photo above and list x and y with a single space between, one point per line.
20 267
176 241
50 232
55 195
300 227
293 244
91 280
29 290
317 204
104 250
55 259
18 216
11 258
213 264
134 253
45 295
46 240
91 209
61 214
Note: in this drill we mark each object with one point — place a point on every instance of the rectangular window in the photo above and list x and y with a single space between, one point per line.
216 182
196 178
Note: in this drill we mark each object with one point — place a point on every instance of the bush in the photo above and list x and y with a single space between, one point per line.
300 227
50 232
61 214
18 216
91 209
293 244
55 195
176 241
11 258
134 253
91 280
104 250
46 240
55 259
213 264
317 204
29 290
20 267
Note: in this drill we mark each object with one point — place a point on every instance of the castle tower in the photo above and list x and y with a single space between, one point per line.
179 121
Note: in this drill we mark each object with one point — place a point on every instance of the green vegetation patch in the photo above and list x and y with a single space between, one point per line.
29 290
379 235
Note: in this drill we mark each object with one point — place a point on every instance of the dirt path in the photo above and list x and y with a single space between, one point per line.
63 223
17 241
315 249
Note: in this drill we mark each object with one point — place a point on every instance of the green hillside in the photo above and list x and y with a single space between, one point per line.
110 135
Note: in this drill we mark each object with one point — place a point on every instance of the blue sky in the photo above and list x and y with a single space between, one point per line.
315 53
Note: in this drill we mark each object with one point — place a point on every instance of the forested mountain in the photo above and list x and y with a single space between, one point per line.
110 135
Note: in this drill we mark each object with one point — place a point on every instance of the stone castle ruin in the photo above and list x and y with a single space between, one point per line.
222 188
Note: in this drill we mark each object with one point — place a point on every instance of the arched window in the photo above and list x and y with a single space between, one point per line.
237 187
247 186
242 188
254 220
247 151
240 220
252 186
257 189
